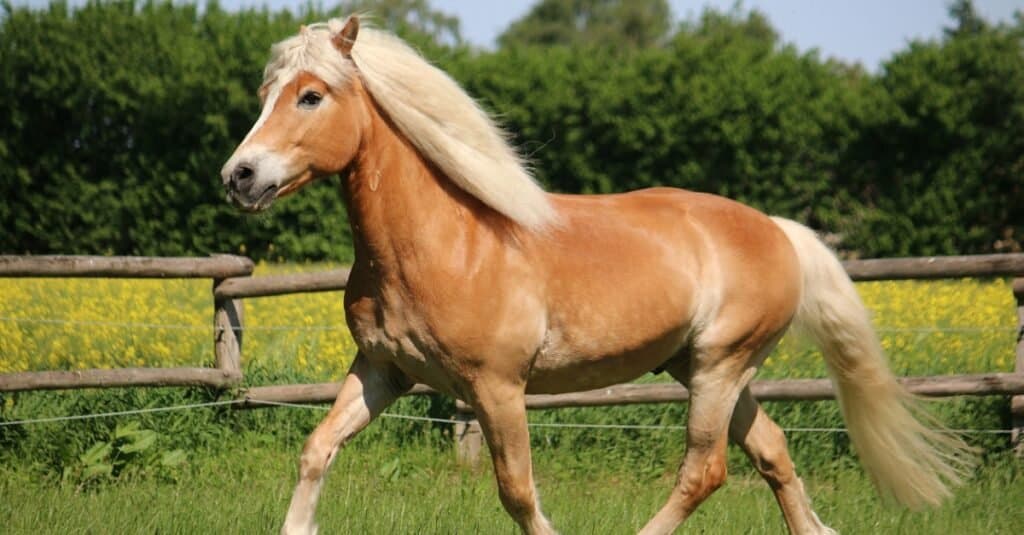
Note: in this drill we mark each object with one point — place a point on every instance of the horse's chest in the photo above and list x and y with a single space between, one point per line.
380 331
392 334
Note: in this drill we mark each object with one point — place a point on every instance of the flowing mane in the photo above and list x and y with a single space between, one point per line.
445 124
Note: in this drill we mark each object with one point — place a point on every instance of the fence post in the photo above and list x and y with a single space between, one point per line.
227 334
1017 402
468 438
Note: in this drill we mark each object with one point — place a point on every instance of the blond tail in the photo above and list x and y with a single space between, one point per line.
902 448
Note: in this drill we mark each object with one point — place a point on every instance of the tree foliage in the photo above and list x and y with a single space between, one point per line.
940 167
611 23
117 117
413 19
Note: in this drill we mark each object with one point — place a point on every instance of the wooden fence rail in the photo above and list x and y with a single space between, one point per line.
60 380
129 267
936 267
980 384
271 285
232 282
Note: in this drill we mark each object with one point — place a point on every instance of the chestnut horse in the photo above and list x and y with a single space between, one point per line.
468 277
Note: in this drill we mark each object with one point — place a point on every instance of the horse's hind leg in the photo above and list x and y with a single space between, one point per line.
367 390
765 444
715 382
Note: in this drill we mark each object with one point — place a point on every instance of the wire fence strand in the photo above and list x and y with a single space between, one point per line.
410 417
131 412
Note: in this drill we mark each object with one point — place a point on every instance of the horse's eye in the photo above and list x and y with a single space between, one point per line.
310 99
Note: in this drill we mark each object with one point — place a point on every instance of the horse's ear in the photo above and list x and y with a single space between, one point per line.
344 39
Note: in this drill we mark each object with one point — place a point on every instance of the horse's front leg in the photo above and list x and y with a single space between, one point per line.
500 407
368 389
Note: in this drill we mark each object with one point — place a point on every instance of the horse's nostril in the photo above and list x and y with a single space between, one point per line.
242 174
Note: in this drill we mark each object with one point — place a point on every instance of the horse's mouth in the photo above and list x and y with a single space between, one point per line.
261 203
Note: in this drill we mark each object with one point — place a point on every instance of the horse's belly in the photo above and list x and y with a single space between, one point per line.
618 329
563 366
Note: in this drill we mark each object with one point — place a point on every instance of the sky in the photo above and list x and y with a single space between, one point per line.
864 31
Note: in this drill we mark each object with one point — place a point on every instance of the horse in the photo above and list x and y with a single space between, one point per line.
470 278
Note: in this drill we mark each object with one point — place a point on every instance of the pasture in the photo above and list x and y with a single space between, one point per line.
248 492
238 467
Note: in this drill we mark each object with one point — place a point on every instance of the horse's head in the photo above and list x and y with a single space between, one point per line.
311 120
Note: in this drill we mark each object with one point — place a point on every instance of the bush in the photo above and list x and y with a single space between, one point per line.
116 120
117 117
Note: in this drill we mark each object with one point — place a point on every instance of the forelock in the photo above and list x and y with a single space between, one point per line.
311 51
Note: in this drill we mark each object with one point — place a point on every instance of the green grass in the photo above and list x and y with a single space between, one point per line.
375 488
399 476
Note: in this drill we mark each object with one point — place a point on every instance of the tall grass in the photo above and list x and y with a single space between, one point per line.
380 488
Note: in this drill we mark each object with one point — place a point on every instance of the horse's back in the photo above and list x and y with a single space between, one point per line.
678 233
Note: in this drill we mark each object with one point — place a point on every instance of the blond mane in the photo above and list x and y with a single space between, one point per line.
447 126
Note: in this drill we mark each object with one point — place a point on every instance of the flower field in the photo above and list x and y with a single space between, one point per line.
926 328
962 326
67 324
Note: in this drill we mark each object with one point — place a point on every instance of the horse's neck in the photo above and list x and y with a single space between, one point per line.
402 209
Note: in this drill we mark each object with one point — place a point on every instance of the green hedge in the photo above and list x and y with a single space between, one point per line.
116 121
117 117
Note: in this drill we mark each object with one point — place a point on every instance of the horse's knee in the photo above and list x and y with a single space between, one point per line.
715 474
315 458
697 482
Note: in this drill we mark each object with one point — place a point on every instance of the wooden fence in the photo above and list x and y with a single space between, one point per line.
227 319
232 282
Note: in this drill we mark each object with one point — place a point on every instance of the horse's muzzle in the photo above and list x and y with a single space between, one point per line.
245 194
